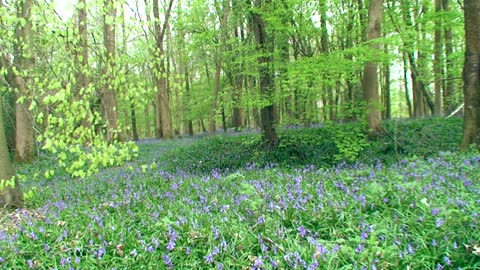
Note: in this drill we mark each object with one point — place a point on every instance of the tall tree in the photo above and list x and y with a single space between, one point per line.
109 101
24 63
437 61
9 197
449 90
370 72
265 69
81 58
471 74
163 122
223 14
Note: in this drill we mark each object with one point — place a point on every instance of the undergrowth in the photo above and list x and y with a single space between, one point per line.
324 146
417 213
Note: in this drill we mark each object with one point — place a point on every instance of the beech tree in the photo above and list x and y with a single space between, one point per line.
370 73
109 99
20 78
163 120
265 71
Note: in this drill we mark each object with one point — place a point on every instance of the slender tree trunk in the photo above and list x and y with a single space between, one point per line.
370 72
146 113
9 197
405 84
187 123
109 96
162 99
437 61
81 60
133 119
387 103
216 88
218 63
264 42
449 91
471 74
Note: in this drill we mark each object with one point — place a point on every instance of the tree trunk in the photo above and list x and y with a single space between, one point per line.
370 72
265 45
22 81
449 90
9 197
437 61
405 85
471 74
218 63
81 59
109 97
216 88
386 90
161 98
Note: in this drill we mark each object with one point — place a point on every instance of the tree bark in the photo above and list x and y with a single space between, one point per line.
471 74
109 101
81 59
22 82
9 197
370 72
437 61
449 91
218 64
162 101
265 45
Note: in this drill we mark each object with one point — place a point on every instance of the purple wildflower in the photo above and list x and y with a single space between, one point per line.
335 248
216 234
313 265
359 248
171 245
64 261
260 220
302 231
257 264
167 261
435 211
364 235
447 260
208 258
100 252
439 222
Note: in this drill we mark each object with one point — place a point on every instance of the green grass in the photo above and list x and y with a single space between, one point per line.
413 214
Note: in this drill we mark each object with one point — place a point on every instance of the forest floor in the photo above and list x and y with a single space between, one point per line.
221 203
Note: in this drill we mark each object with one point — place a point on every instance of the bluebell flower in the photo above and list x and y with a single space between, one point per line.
167 261
439 222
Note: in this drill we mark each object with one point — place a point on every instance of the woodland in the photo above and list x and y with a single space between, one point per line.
226 134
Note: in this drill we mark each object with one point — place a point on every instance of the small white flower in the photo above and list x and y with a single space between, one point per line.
476 250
